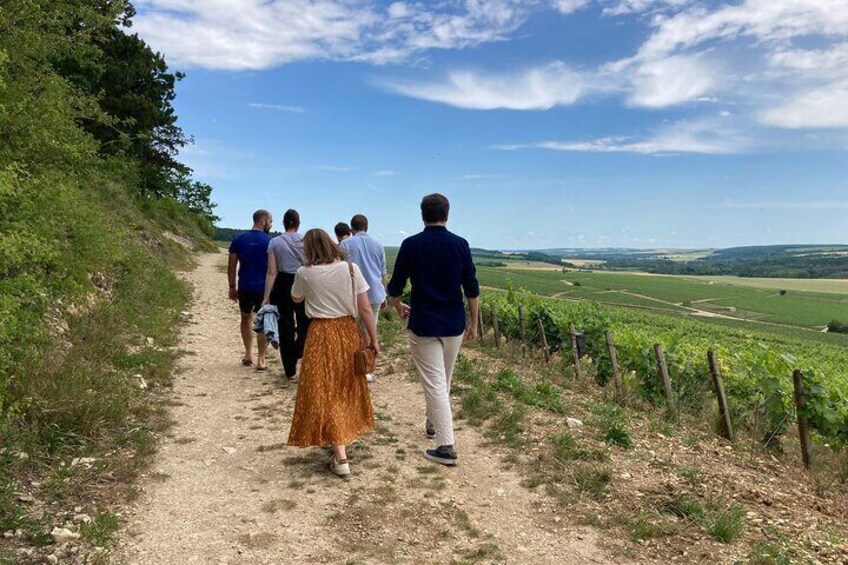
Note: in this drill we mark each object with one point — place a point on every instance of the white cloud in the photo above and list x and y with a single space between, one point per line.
259 34
779 205
569 6
631 6
278 107
765 20
706 136
782 85
820 107
384 173
822 100
476 176
674 80
812 62
335 168
538 88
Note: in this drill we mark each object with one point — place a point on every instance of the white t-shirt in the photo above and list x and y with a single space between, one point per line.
327 289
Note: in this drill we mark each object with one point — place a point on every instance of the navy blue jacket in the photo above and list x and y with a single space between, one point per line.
439 265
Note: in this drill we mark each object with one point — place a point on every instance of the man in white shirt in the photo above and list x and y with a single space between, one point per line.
368 254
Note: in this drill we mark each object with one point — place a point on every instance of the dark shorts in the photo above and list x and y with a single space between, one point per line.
250 301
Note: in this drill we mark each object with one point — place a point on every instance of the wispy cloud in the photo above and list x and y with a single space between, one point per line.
278 107
537 88
384 173
260 34
672 80
690 57
335 168
708 136
373 188
784 205
569 6
623 7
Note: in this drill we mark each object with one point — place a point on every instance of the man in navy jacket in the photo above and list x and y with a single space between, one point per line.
439 266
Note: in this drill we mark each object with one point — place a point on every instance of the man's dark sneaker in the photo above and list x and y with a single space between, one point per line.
429 429
444 454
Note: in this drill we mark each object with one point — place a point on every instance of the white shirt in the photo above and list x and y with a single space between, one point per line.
327 289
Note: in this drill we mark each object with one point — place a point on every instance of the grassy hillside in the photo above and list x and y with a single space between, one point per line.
95 215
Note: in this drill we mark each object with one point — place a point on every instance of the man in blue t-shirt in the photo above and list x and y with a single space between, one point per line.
248 252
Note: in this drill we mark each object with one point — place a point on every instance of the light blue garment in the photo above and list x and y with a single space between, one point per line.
265 323
288 251
367 253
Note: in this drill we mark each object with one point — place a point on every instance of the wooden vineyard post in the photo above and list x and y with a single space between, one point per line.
522 331
544 339
718 386
803 429
496 328
572 333
616 372
662 369
481 328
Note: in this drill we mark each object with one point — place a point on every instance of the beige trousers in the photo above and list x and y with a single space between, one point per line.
435 358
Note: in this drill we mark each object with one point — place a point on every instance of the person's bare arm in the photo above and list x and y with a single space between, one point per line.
367 315
270 276
232 263
385 281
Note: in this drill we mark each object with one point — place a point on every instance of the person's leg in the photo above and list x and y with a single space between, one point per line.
302 328
261 363
429 358
451 351
247 335
289 350
340 452
339 464
281 298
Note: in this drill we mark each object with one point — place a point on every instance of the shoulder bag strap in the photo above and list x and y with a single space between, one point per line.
353 289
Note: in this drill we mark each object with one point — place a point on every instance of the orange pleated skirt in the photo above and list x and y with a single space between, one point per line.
333 405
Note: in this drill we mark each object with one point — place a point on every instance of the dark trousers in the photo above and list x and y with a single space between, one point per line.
293 322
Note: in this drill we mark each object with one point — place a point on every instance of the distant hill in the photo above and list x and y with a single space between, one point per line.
779 261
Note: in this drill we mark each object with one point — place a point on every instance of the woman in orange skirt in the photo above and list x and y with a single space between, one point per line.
333 405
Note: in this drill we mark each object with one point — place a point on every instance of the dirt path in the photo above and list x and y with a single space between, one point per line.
225 489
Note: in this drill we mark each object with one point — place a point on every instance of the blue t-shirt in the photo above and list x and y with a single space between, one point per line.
251 248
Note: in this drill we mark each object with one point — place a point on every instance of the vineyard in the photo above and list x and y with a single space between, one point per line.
757 368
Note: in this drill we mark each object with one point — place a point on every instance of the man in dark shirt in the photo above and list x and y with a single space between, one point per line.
439 265
248 252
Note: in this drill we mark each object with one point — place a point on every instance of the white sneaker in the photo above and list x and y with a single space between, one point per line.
369 378
340 468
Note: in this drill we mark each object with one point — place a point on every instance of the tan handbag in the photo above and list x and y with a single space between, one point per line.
364 359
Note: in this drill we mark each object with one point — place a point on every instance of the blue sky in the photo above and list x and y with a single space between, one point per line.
548 123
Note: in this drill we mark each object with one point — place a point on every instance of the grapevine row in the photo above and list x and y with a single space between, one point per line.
757 368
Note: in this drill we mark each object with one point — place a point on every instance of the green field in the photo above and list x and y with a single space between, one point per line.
679 294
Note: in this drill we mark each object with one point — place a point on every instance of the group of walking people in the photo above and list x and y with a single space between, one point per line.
327 296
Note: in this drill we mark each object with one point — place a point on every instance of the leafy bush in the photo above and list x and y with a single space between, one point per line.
836 326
